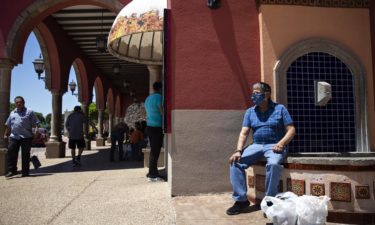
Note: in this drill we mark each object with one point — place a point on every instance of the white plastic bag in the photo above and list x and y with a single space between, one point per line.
289 209
312 210
280 209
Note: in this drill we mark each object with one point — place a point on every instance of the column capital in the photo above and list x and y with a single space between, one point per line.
57 92
7 63
154 69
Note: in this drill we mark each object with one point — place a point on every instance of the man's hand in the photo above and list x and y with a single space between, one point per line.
235 157
5 136
278 147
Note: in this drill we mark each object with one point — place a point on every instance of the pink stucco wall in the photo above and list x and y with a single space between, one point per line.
284 26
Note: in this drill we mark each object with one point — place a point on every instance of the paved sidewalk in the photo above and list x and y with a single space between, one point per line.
101 192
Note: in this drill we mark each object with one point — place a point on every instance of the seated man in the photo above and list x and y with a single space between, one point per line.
272 129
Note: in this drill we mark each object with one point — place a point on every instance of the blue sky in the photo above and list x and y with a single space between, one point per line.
25 83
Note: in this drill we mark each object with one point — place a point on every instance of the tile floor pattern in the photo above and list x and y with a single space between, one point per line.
211 210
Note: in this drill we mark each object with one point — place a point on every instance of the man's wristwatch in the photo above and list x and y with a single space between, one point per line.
240 151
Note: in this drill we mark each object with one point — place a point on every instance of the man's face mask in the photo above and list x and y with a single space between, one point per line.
258 98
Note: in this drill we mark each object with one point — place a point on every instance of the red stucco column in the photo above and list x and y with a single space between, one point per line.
6 67
155 75
372 27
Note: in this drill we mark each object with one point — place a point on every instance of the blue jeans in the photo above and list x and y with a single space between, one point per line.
250 155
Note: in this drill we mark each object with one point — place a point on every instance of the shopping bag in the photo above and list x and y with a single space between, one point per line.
35 161
280 211
289 209
312 210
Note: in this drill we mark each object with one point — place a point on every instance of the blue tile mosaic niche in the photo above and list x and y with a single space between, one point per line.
329 128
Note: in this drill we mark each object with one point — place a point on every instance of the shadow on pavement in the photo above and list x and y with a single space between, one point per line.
90 162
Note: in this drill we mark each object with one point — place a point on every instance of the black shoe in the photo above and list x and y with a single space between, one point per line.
10 174
238 207
75 163
25 175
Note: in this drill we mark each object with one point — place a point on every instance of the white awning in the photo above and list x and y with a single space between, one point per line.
137 32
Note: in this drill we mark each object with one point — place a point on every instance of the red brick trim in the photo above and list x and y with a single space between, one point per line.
298 166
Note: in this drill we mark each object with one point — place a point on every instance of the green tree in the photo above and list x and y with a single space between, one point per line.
48 118
93 113
48 121
12 106
41 119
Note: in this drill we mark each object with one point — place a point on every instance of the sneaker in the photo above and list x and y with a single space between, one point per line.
10 174
154 179
152 176
25 175
238 207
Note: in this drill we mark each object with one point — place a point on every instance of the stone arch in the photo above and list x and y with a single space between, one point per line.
118 107
100 95
48 47
34 14
347 57
82 78
110 101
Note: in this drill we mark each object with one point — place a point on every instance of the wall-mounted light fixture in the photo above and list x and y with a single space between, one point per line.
126 84
72 87
101 40
39 67
213 4
116 69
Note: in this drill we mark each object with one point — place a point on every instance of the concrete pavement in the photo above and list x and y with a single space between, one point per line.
101 192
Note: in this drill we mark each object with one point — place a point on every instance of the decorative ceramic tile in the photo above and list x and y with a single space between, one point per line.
250 181
317 189
296 186
280 189
260 183
362 191
340 192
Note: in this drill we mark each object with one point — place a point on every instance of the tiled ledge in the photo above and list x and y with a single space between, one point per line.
335 162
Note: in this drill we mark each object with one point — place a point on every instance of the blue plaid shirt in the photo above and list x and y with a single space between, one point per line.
269 126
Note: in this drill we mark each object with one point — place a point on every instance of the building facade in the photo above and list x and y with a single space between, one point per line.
213 56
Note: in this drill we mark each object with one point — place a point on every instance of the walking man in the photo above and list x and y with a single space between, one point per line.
272 129
154 119
74 125
117 139
18 128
